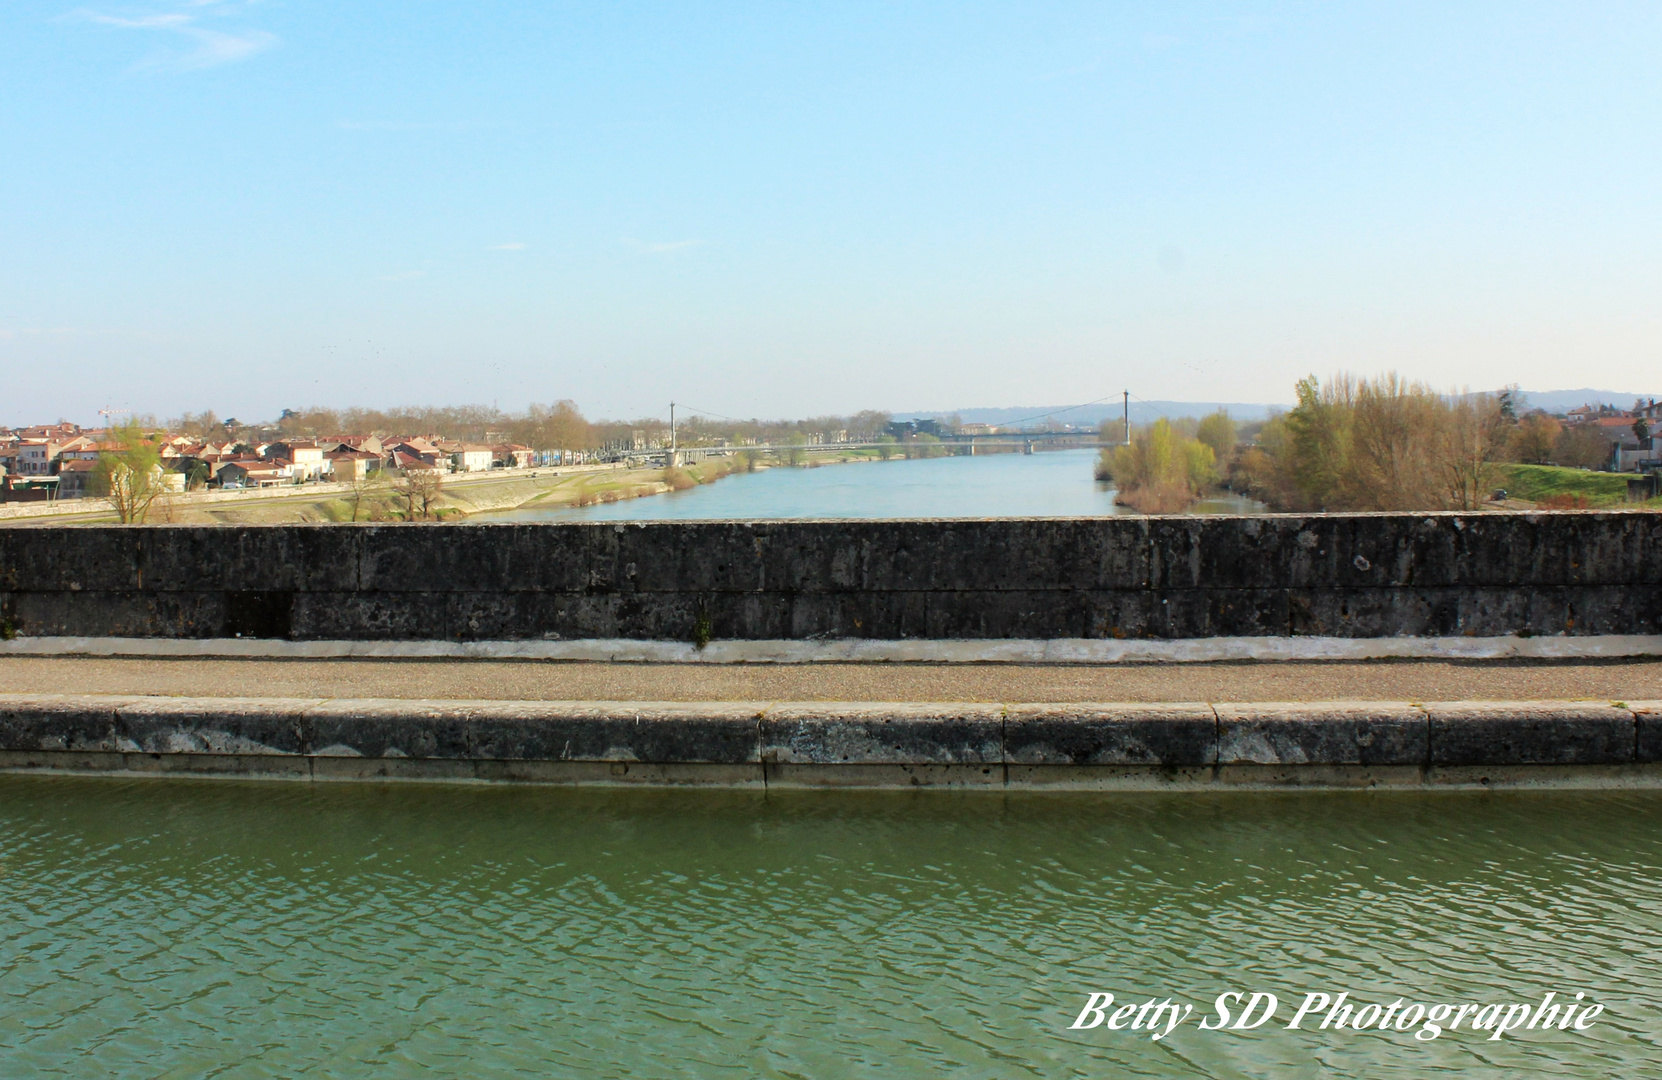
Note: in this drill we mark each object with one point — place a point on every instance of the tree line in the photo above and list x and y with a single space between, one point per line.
1351 444
561 426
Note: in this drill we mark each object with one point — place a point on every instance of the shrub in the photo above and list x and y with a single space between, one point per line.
1161 472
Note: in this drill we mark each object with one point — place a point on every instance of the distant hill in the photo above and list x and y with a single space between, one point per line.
1092 415
1557 401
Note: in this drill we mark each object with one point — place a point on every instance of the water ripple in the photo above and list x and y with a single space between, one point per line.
195 930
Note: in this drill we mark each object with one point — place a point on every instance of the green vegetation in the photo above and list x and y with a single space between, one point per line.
924 446
1540 483
1218 432
1377 444
1391 444
130 476
1161 472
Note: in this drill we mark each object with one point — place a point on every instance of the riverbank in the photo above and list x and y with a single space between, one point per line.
461 496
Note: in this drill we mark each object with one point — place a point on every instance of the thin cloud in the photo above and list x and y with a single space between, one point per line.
512 245
210 48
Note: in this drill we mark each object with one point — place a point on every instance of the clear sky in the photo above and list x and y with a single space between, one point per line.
792 209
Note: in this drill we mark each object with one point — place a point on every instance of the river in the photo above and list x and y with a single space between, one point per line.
1049 484
231 929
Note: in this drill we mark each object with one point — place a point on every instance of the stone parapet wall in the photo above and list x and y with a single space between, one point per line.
1342 575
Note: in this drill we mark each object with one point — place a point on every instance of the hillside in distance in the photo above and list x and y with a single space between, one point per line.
1092 415
1554 401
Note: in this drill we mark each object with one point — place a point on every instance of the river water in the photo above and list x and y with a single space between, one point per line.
1050 484
195 929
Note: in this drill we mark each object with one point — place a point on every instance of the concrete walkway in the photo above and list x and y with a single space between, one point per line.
1392 680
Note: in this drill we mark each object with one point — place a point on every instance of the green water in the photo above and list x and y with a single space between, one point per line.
174 929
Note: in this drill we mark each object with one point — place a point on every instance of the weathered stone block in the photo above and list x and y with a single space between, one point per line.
259 558
1648 733
892 775
388 729
622 773
1323 733
1530 733
30 722
837 733
118 614
708 733
371 616
1170 735
88 558
213 725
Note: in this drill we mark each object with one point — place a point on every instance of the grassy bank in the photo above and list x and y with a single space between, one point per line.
1543 483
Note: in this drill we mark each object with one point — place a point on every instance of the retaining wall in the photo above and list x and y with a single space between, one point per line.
1346 744
1343 575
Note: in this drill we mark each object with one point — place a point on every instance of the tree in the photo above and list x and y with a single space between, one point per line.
868 425
1318 431
1509 401
1162 471
1581 446
420 488
1384 443
365 483
1218 432
1641 429
566 430
925 446
130 474
1534 438
1474 431
202 425
1393 433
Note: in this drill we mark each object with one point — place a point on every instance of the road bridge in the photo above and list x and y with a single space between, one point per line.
1026 442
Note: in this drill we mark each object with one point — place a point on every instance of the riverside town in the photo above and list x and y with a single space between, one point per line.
830 540
1382 444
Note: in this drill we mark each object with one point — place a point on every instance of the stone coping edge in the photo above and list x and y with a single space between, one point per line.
845 744
853 650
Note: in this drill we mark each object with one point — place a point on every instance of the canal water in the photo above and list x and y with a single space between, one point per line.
1048 484
195 929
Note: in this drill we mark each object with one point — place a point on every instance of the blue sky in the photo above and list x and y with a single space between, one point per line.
770 209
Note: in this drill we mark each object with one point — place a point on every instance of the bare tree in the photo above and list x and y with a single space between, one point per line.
1581 446
420 488
365 484
1473 435
1534 438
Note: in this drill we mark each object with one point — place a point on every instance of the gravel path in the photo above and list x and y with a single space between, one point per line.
1391 680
